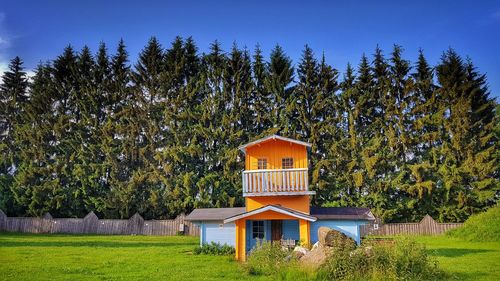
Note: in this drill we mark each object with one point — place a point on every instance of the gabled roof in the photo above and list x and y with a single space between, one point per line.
274 208
342 213
273 137
213 214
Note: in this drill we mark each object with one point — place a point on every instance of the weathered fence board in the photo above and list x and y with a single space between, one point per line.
427 226
91 224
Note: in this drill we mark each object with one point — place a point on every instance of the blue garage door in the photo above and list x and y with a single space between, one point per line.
220 233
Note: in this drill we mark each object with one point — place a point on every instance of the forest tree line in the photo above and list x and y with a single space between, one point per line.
95 132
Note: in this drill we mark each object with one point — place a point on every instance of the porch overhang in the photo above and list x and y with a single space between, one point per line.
273 208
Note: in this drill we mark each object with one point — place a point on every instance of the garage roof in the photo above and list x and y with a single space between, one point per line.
214 214
342 213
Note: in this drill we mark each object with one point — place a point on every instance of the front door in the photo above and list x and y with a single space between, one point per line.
276 230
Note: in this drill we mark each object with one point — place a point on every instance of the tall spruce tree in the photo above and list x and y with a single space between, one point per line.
280 75
13 101
91 133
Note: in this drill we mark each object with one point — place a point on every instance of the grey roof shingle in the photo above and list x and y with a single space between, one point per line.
342 213
214 214
322 213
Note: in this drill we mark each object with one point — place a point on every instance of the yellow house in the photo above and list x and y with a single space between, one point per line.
277 202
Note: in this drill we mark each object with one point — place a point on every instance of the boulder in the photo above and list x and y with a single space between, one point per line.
299 251
316 257
332 238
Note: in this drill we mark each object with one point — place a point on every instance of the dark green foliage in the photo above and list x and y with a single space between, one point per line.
92 133
13 103
214 249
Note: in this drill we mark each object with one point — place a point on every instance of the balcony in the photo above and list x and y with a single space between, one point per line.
276 182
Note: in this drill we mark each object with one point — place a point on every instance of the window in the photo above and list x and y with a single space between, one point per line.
262 163
258 229
287 163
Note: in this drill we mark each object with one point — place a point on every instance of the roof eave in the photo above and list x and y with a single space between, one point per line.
270 208
274 137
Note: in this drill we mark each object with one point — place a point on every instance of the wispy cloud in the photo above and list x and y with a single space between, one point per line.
496 15
3 67
4 46
4 43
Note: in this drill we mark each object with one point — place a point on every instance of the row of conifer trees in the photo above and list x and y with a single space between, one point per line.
91 132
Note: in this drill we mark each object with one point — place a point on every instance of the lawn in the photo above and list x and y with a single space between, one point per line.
465 260
89 257
82 257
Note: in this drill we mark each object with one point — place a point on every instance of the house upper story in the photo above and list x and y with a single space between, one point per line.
276 173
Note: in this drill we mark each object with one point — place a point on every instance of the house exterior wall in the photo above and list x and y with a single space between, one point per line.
298 202
214 232
291 229
299 230
274 151
348 227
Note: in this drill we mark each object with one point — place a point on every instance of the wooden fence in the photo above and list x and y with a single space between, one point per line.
427 226
91 224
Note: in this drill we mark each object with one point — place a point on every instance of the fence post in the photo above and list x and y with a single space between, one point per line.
3 220
46 223
135 224
427 225
181 224
90 222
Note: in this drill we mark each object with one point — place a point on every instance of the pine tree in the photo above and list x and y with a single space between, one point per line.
118 139
465 152
280 75
13 100
90 133
263 105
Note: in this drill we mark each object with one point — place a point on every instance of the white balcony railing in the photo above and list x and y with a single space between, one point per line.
276 182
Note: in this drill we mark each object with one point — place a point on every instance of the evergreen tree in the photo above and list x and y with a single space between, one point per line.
280 75
13 100
90 133
262 97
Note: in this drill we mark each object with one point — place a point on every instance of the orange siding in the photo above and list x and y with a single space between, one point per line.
274 151
305 232
240 240
270 215
299 203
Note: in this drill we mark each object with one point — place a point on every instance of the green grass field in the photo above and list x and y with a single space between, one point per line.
465 260
78 257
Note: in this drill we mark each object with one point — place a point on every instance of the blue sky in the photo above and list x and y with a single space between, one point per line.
343 30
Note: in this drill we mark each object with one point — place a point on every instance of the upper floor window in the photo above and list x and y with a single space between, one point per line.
287 163
262 163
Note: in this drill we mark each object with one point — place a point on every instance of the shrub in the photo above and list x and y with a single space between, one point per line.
267 258
483 227
215 249
403 260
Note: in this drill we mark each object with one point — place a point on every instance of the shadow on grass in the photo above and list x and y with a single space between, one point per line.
96 244
456 252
